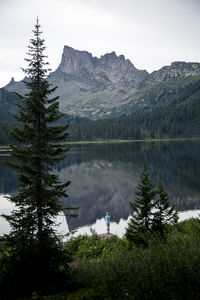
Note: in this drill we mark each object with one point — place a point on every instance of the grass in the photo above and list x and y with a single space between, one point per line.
4 147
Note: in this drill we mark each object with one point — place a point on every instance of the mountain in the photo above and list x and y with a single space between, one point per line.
95 87
108 97
108 71
109 86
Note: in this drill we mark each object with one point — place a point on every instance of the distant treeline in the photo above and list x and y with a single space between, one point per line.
175 121
158 124
5 136
173 111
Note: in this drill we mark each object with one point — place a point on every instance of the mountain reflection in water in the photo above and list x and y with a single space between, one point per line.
104 176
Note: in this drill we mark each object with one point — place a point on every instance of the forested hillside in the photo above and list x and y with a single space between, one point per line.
172 109
8 110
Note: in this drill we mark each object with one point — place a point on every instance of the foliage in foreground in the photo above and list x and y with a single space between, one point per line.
115 269
42 270
164 270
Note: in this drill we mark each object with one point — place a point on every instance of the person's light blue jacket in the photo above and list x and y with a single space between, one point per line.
107 218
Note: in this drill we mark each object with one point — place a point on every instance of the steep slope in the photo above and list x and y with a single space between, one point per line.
176 69
8 106
169 92
8 110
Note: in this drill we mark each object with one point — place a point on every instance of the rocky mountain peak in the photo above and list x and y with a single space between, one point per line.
111 55
11 83
112 70
74 61
12 80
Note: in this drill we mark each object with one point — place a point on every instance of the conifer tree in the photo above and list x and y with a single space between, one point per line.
164 214
36 254
141 220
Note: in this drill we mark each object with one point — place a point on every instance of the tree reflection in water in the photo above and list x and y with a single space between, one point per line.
103 176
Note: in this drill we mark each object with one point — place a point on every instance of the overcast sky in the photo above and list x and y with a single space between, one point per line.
151 33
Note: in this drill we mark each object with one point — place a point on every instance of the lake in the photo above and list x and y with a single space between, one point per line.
104 176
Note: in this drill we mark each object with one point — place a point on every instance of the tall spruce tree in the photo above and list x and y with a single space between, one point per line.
35 248
164 214
151 211
140 223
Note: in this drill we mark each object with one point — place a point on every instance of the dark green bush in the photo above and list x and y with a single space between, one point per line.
43 270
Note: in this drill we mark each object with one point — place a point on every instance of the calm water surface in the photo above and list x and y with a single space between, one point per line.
104 176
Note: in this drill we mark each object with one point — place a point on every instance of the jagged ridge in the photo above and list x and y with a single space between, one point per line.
111 70
109 86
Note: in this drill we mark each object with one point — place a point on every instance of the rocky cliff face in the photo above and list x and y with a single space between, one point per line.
75 62
109 70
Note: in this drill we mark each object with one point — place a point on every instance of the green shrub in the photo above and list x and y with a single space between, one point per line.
89 247
73 244
164 270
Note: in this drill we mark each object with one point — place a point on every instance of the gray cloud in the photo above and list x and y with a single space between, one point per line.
150 33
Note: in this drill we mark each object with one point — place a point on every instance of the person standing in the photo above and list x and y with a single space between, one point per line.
107 219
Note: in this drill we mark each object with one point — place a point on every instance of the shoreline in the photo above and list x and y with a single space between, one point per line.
113 141
118 141
117 227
